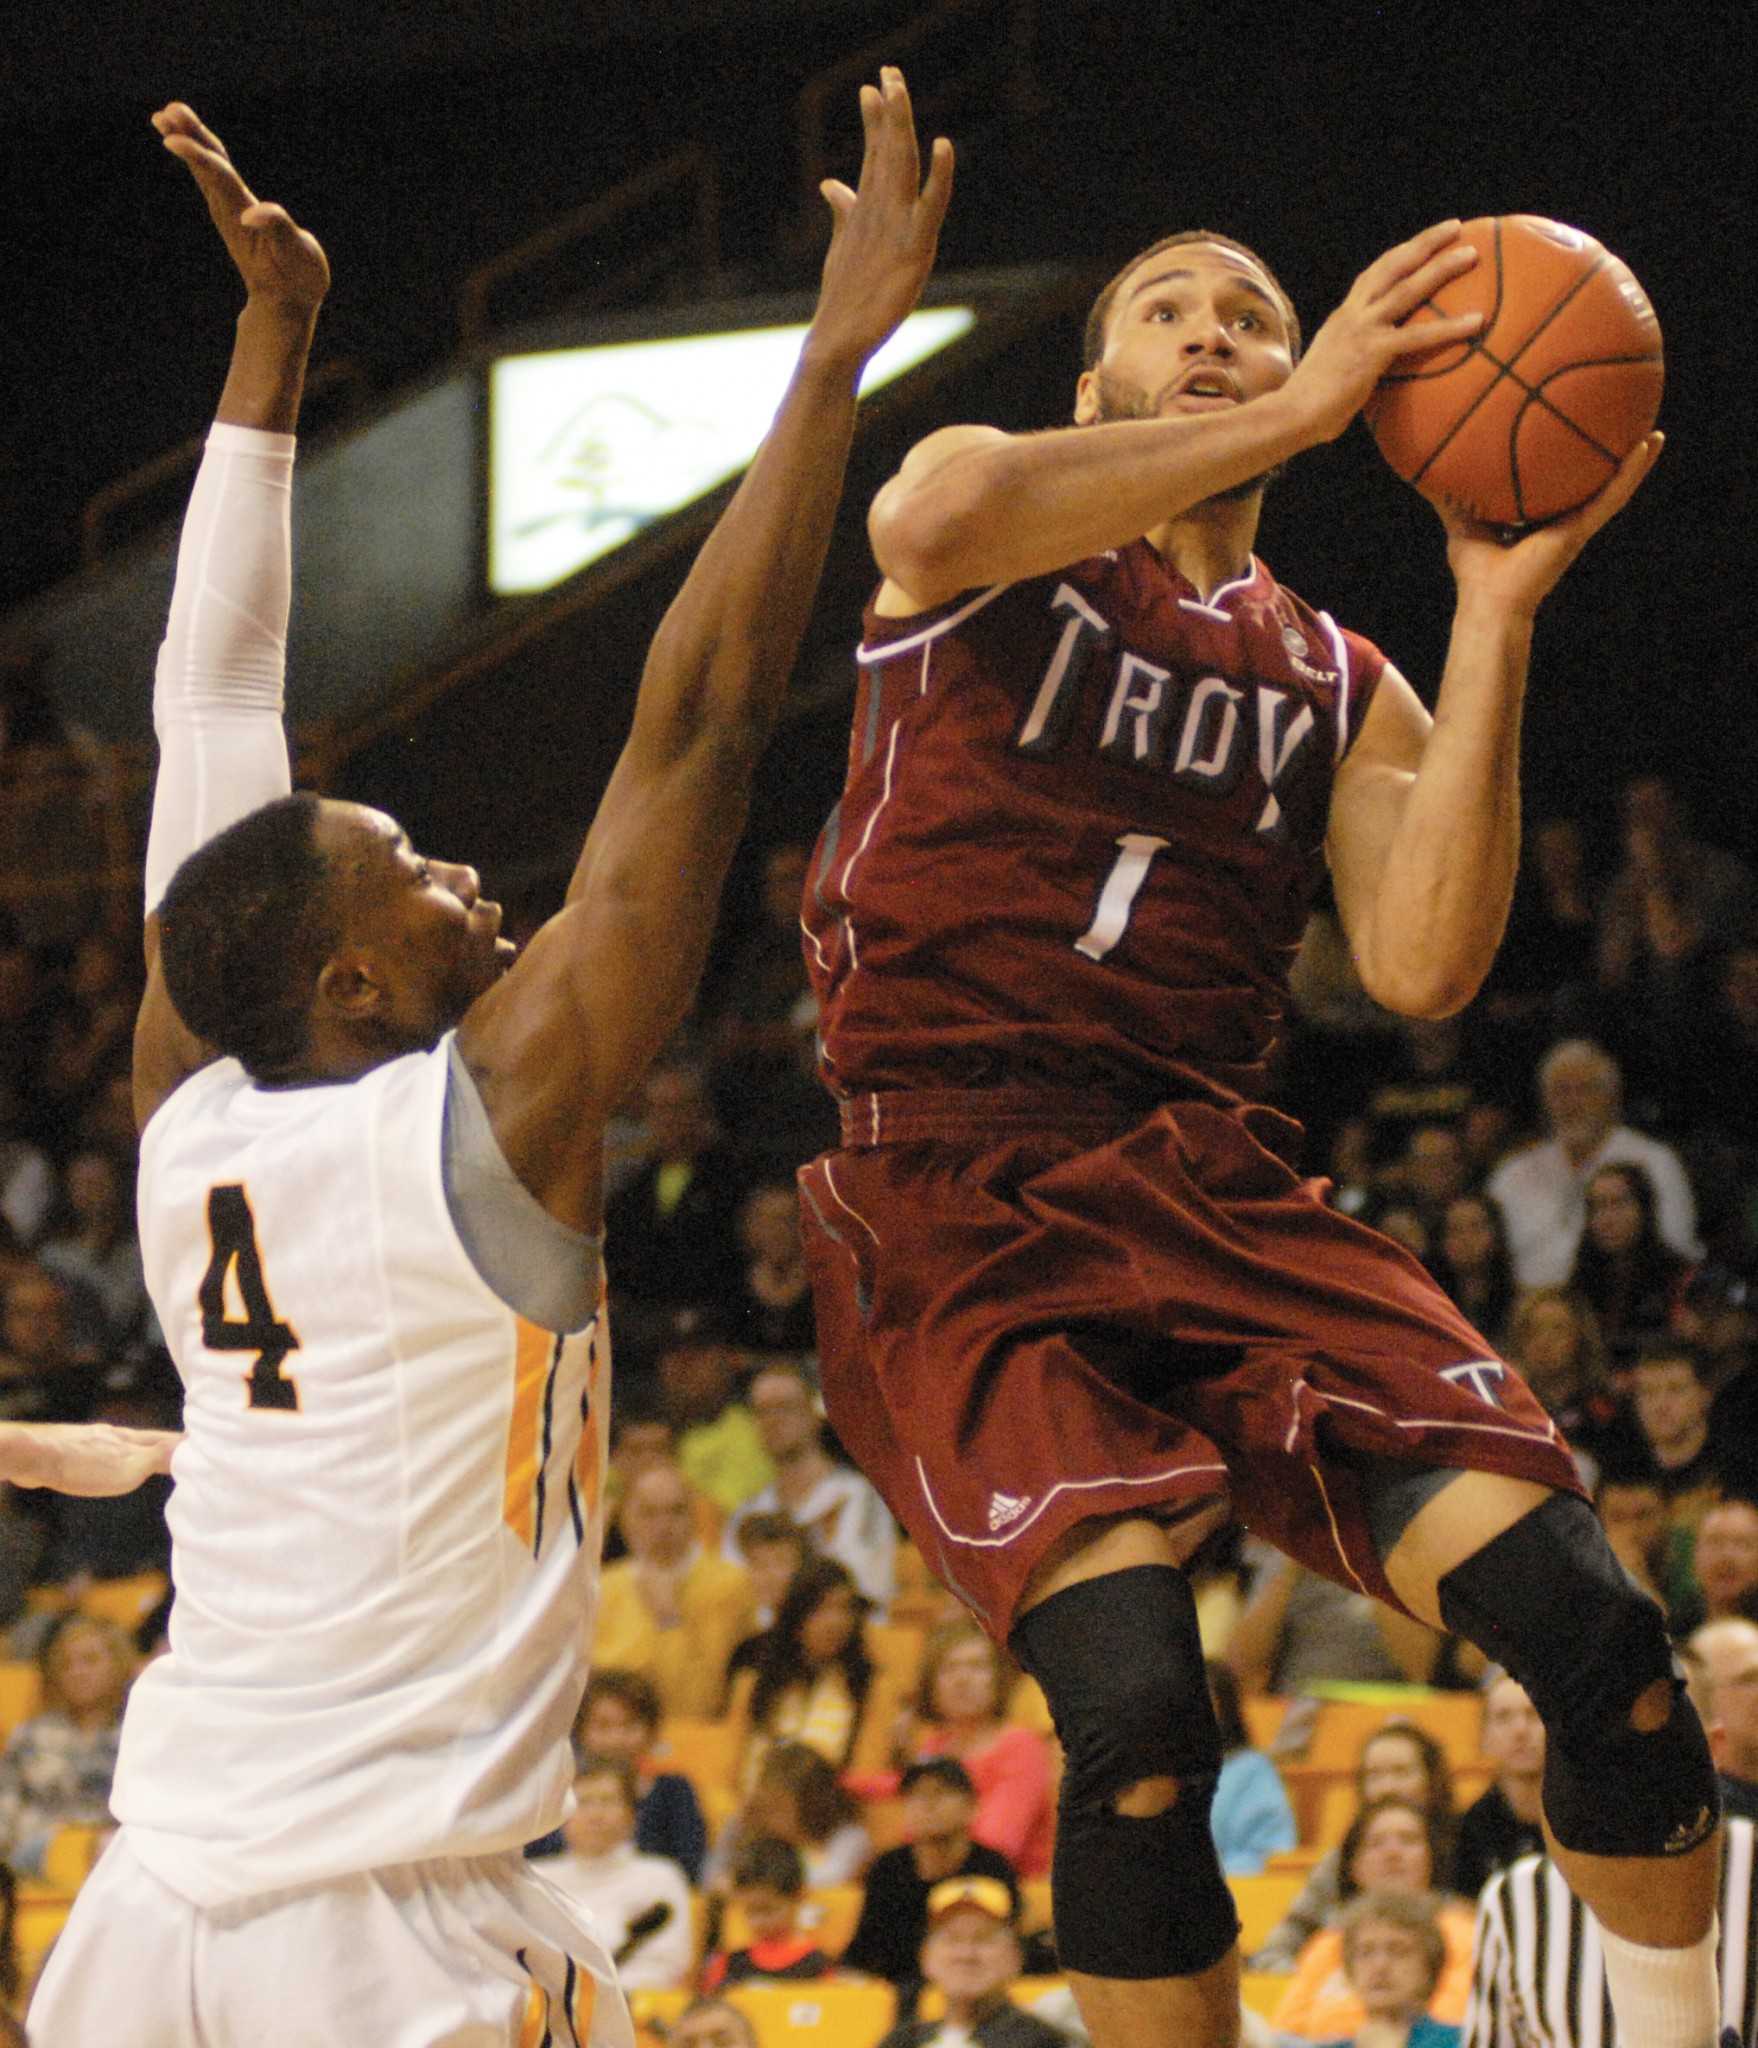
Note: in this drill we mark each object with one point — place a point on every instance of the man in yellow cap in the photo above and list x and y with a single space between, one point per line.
971 1956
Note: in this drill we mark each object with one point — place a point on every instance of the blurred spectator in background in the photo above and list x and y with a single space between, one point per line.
1727 1652
1672 1401
674 1222
640 1902
711 2023
118 1536
1393 1954
1506 1821
1472 1263
753 1031
719 1445
1398 1761
1390 1847
1431 1083
27 1179
773 1308
797 1799
1250 1818
971 1956
1650 1547
90 1241
1299 1629
1351 1166
840 1511
671 1609
56 816
91 1034
768 1879
1554 1341
1435 1169
56 1770
1724 1561
1673 896
771 1546
960 1701
1542 1190
814 1682
1540 987
619 1717
940 1802
46 1371
1631 1280
641 1435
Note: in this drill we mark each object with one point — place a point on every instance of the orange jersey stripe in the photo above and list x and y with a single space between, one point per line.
531 1356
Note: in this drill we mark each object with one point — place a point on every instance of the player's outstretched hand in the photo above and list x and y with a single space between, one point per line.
281 264
92 1458
1366 335
883 236
1521 570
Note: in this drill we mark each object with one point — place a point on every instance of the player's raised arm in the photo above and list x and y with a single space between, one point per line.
217 695
972 506
601 987
1424 834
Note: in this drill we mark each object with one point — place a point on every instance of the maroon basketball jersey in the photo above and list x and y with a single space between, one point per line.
1083 824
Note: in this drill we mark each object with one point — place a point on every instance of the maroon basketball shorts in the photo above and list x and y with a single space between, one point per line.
1027 1318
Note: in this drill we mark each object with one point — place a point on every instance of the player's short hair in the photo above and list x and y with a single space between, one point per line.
768 1861
1099 315
1414 1912
245 929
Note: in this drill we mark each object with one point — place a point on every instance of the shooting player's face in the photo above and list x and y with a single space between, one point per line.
1195 328
420 931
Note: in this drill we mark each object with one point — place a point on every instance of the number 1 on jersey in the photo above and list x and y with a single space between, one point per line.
1135 854
232 1233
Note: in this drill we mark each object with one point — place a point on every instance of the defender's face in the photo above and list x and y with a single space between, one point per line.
430 934
1197 328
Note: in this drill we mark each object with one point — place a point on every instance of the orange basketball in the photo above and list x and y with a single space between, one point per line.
1533 415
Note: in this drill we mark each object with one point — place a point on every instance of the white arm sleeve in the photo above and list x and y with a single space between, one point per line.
217 691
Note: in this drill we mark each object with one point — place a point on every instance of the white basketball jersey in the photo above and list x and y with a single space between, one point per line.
386 1524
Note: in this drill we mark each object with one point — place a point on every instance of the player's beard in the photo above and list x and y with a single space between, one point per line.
1119 400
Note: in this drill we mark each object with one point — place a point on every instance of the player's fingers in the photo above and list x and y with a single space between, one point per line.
1404 257
1402 295
872 105
1417 337
179 118
898 128
937 193
1631 474
839 199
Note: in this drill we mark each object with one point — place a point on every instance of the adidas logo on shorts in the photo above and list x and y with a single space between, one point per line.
1005 1508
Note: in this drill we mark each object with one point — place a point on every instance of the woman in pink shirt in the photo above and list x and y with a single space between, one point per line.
958 1712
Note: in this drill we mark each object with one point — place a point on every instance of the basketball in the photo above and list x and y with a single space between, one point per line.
1533 415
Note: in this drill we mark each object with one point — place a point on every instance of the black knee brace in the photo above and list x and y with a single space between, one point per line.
1121 1665
1548 1600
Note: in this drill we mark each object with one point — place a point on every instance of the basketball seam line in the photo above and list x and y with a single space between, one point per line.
1534 395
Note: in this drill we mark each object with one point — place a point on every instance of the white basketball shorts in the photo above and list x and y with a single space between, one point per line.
461 1953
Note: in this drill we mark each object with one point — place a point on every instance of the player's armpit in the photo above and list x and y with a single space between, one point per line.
909 515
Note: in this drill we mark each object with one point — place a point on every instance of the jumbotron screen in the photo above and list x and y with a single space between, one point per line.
587 446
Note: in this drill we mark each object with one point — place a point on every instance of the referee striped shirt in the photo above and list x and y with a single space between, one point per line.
1538 1979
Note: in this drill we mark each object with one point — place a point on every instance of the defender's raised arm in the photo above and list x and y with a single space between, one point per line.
217 696
556 1044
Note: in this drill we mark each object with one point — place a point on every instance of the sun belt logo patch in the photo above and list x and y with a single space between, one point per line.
1006 1508
1483 1376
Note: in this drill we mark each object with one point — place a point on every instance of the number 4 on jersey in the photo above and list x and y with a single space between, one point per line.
232 1232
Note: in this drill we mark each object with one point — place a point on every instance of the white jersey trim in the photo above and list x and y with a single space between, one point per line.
887 649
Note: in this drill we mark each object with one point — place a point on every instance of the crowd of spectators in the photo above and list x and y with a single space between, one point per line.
1575 1159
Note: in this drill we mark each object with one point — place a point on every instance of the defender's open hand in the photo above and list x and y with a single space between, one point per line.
883 236
92 1458
280 263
